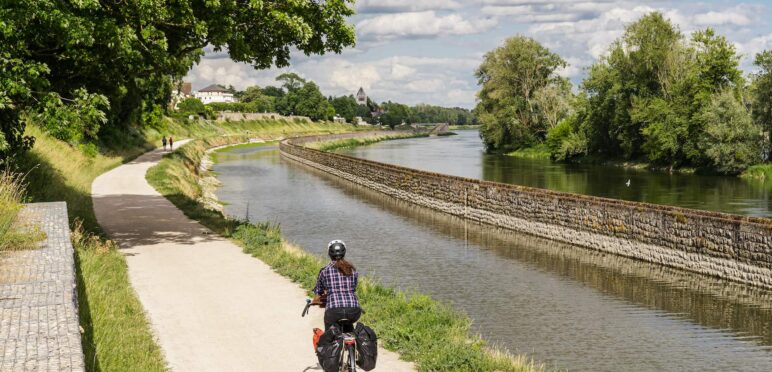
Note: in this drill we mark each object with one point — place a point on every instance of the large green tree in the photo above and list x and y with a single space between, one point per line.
303 98
395 114
60 52
510 77
649 99
732 141
255 100
762 92
345 106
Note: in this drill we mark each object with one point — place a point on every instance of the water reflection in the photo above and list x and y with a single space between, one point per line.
462 155
569 307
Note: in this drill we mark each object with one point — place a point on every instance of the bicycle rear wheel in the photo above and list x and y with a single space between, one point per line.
352 358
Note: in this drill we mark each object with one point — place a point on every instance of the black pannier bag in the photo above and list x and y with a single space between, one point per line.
328 350
367 347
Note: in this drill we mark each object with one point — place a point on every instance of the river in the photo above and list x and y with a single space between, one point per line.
567 307
462 155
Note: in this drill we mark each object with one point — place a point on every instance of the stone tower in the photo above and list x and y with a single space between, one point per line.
361 97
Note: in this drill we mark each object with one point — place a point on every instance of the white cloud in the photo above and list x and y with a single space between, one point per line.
721 18
753 46
425 85
399 6
460 95
414 25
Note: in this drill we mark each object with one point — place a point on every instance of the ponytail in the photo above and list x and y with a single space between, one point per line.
344 267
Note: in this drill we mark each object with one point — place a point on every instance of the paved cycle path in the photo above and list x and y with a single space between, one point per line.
212 307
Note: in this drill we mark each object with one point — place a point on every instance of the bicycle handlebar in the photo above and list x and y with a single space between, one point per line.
308 306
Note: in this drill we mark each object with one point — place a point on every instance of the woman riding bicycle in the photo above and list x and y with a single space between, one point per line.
336 287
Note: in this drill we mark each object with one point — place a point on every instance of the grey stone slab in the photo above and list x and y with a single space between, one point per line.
39 328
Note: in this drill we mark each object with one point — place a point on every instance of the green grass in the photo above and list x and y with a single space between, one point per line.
463 127
421 329
15 232
539 151
117 334
762 172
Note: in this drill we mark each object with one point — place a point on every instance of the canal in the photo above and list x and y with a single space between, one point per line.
567 307
462 155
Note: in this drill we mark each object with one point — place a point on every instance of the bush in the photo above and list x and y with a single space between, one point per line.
565 142
191 106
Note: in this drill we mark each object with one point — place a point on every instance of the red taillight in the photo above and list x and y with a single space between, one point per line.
350 341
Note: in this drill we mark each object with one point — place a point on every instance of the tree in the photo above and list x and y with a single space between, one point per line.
291 81
251 94
633 68
509 77
395 114
762 93
256 100
731 141
553 102
305 99
191 106
131 51
273 91
346 107
647 98
312 103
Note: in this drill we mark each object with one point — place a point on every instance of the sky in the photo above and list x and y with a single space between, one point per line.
426 51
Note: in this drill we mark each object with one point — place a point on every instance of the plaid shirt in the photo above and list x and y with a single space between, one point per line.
341 289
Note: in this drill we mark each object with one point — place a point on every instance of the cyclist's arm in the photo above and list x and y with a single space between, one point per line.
319 288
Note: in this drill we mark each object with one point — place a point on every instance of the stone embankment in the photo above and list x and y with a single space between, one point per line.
733 247
39 329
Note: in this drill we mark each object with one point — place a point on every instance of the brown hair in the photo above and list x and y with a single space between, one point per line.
345 267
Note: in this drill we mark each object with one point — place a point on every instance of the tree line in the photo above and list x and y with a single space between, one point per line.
656 96
298 96
81 69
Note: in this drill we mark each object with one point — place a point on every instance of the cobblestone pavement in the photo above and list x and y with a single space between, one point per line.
39 328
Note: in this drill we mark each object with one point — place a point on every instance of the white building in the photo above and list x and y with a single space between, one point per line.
215 93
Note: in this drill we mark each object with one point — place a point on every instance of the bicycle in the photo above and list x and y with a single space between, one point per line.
348 356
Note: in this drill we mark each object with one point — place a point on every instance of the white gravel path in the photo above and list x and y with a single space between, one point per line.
212 307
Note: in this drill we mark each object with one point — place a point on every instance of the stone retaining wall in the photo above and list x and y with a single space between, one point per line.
39 329
729 246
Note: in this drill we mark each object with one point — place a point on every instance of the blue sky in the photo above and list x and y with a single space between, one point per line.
426 51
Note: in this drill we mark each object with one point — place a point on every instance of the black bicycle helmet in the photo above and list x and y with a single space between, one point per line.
336 249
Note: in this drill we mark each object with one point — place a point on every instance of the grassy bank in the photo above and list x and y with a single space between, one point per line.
762 172
15 232
539 151
463 127
117 334
360 141
421 329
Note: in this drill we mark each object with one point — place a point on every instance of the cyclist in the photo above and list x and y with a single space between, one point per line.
336 287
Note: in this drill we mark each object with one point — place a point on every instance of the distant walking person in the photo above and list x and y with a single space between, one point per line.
163 140
171 143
